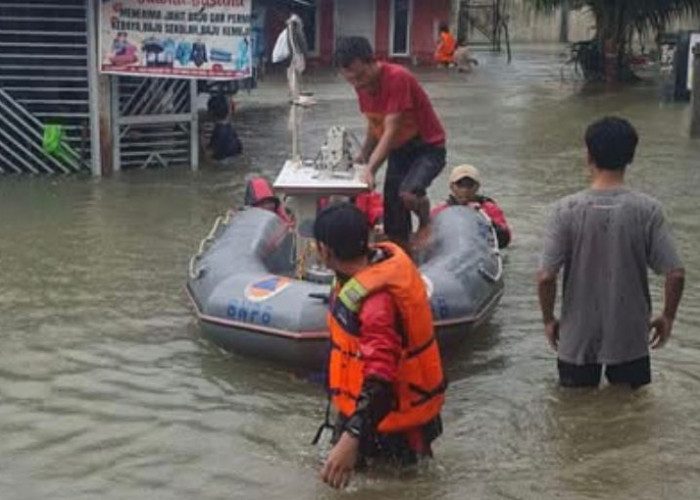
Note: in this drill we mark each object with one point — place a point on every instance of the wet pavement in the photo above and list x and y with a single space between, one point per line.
107 389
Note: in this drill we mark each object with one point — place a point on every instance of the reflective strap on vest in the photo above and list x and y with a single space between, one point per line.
352 294
346 307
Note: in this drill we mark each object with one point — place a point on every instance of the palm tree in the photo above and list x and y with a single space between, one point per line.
616 22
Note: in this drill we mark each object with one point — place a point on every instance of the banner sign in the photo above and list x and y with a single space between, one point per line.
197 39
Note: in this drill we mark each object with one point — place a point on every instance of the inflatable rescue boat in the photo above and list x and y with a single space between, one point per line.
257 285
251 297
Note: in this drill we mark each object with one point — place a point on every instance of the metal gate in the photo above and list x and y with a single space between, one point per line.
483 22
154 123
45 80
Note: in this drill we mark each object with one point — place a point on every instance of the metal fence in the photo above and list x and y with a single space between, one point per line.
153 122
44 80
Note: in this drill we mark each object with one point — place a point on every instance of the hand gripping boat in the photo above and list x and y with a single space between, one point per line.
258 288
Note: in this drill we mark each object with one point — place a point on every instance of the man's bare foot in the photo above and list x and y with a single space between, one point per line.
420 239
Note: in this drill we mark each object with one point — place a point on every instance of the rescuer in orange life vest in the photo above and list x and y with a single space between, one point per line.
385 374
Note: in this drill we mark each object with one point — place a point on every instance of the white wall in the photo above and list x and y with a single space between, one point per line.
689 23
528 25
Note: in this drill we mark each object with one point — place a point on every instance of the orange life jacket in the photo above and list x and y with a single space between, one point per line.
420 384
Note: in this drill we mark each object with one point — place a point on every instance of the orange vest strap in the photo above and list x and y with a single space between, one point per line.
345 352
421 348
427 395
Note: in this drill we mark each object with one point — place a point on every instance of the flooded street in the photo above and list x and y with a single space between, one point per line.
108 391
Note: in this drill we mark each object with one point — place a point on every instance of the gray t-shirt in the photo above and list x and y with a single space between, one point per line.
606 240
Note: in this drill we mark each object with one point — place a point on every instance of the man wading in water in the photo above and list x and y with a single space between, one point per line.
384 374
403 128
606 237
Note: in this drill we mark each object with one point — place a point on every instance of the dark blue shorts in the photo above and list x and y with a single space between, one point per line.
633 373
412 168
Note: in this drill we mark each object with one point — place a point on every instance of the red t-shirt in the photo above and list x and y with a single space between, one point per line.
400 92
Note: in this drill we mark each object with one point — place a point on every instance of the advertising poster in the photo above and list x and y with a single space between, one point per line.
198 39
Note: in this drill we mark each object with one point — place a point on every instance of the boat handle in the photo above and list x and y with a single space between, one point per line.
490 277
324 297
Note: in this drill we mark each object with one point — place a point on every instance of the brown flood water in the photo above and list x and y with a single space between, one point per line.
108 391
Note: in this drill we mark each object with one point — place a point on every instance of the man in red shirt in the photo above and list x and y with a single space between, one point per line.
403 128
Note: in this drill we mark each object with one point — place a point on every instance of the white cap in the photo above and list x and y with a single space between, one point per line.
463 171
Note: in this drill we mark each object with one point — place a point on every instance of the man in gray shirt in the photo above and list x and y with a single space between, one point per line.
606 238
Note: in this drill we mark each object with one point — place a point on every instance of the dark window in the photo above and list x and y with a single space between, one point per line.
401 19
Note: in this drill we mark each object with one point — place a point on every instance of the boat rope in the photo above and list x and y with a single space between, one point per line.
222 220
496 250
309 249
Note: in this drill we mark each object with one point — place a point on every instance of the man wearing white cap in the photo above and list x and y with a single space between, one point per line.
465 181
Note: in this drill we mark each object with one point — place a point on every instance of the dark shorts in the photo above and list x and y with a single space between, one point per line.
412 168
633 373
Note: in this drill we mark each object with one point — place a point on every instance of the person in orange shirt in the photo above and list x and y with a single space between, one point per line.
444 55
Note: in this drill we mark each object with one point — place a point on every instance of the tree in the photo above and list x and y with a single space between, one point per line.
616 22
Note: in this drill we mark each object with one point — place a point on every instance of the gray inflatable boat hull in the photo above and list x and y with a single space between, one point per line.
246 303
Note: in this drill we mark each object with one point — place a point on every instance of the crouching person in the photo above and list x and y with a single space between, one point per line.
465 182
385 373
